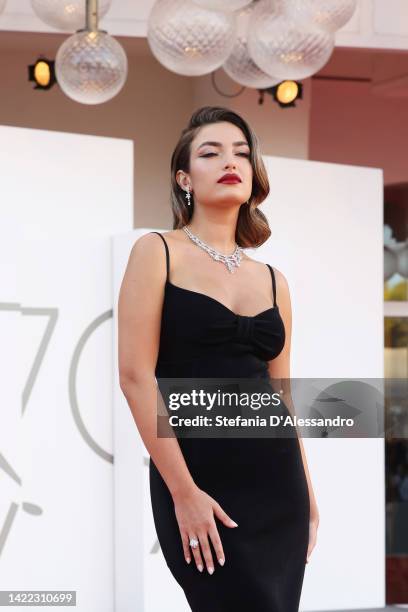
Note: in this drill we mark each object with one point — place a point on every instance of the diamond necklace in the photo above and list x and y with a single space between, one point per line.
229 260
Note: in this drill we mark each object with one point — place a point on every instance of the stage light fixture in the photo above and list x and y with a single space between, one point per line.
42 73
285 93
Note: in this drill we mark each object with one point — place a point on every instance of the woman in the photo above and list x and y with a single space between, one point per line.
192 304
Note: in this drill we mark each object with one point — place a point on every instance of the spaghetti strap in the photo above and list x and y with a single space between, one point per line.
167 254
273 284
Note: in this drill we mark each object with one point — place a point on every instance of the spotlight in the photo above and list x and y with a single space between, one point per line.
284 93
42 73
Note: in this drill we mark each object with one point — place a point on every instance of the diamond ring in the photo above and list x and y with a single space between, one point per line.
193 543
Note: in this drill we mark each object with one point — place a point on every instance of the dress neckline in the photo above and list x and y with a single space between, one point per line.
208 297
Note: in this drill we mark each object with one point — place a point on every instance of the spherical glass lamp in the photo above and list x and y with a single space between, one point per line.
285 47
91 67
240 66
390 263
329 14
222 5
402 262
188 39
66 15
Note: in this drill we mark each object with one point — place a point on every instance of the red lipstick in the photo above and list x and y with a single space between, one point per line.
230 178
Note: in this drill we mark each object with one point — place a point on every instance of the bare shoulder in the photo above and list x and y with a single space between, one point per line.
174 236
148 242
146 255
281 280
148 252
282 292
176 240
152 238
147 245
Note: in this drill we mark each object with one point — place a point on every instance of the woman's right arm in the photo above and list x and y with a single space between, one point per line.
139 322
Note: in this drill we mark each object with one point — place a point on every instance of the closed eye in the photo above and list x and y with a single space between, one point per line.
211 154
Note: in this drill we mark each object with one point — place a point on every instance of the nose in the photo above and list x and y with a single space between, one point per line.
229 164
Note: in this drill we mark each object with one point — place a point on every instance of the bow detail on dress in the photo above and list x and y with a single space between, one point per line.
266 335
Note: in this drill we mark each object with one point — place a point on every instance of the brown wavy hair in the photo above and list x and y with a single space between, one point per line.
252 228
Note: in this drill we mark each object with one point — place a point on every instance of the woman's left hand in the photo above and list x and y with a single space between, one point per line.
313 525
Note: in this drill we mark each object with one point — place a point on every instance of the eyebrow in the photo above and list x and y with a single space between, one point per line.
213 143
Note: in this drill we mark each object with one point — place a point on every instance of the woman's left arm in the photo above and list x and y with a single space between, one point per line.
279 370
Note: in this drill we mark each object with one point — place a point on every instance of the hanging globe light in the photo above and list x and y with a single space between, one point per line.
65 15
328 14
390 263
285 47
188 39
91 67
239 66
222 5
402 261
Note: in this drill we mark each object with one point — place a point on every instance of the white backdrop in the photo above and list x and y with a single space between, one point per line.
56 510
326 238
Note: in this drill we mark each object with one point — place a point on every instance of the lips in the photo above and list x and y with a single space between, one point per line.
230 179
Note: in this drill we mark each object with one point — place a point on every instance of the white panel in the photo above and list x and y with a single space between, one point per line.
72 184
327 232
70 191
10 350
347 568
70 545
391 17
129 492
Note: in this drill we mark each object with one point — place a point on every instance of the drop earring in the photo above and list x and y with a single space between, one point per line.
188 196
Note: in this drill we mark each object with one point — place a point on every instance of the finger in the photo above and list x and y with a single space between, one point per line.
197 554
205 547
186 546
216 542
223 516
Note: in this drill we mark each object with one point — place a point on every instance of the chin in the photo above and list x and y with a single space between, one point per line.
233 201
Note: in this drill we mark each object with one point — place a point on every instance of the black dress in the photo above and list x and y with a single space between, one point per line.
259 482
